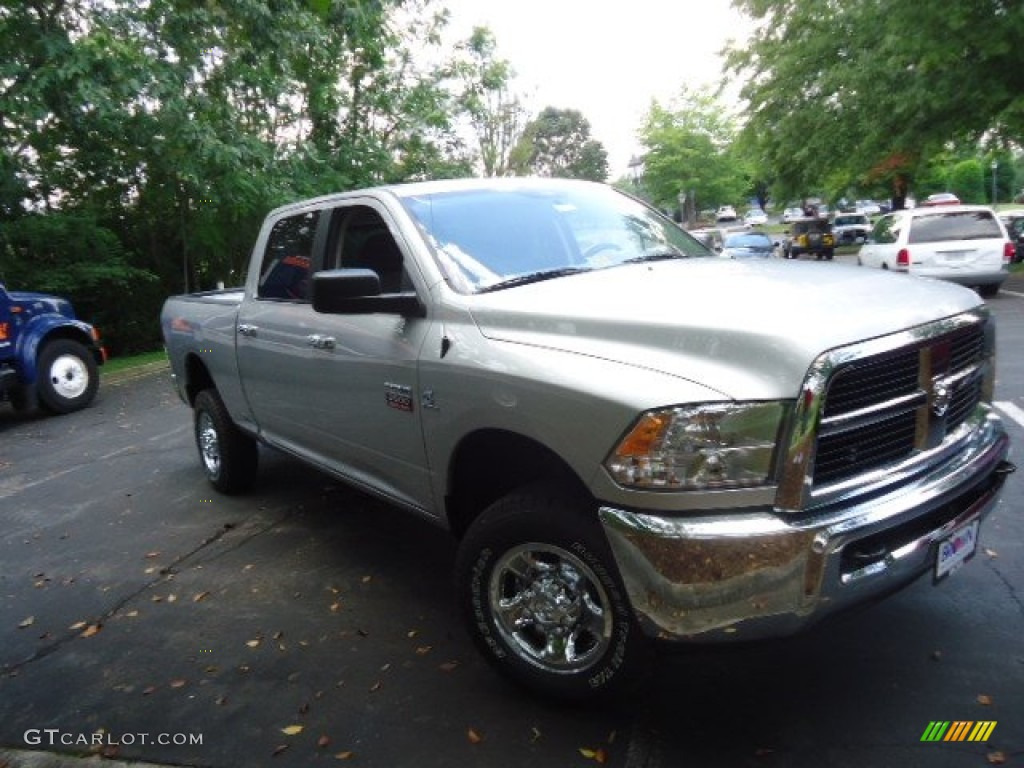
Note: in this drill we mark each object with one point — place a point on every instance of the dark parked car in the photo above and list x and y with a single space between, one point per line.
810 235
1014 223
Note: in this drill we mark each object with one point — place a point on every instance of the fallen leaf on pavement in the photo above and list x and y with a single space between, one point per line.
448 666
279 749
91 630
991 553
177 683
292 730
77 625
473 736
323 741
995 758
984 700
27 622
200 596
253 643
344 756
598 755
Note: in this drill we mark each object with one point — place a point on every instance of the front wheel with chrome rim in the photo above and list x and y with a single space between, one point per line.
228 456
543 600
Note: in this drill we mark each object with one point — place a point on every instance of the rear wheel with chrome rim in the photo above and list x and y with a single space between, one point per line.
229 457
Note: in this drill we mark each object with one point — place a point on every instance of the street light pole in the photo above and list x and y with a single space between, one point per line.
995 167
636 172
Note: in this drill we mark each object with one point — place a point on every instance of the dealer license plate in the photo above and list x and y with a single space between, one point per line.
957 549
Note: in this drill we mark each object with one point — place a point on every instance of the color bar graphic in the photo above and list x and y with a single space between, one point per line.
959 730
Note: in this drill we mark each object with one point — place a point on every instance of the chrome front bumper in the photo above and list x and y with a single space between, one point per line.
752 575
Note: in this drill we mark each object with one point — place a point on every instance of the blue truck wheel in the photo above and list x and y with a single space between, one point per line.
68 376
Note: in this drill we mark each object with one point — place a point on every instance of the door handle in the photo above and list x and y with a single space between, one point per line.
316 341
247 330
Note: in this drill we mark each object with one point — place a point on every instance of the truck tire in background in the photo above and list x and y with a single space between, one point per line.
228 456
68 376
543 600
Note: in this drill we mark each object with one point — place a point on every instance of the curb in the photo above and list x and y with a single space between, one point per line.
130 374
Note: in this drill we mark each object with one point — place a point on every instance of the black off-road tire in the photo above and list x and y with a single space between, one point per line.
67 376
534 573
228 456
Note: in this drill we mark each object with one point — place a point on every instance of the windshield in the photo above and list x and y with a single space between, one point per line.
496 237
846 221
751 240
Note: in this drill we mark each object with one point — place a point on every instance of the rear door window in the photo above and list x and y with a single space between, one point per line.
287 260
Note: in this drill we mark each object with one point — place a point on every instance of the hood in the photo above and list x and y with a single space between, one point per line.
40 303
748 329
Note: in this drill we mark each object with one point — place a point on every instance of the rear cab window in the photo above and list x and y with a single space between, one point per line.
954 225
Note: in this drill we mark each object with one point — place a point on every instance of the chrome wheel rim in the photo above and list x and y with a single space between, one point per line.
550 608
69 376
209 444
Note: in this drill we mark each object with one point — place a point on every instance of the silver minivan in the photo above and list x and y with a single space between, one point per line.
965 244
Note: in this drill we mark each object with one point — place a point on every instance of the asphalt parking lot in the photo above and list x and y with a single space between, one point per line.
144 618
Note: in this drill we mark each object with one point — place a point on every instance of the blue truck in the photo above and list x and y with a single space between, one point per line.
48 356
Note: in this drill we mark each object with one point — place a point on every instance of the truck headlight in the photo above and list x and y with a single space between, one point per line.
703 447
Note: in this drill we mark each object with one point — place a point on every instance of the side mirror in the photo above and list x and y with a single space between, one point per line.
357 292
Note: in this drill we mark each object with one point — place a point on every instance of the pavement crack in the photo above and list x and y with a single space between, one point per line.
1010 587
163 575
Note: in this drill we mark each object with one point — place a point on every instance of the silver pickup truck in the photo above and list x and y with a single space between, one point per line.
631 438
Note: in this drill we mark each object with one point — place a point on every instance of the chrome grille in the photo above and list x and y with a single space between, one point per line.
880 410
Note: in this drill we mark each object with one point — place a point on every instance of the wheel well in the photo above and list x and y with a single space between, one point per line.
491 463
197 378
70 333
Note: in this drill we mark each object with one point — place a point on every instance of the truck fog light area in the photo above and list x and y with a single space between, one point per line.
709 446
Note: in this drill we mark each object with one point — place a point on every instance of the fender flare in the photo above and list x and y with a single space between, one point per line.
40 329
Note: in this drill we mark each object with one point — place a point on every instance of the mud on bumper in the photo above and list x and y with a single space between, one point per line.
746 576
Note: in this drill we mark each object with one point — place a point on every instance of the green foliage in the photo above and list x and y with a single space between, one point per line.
871 90
966 180
558 143
690 148
174 126
484 93
73 256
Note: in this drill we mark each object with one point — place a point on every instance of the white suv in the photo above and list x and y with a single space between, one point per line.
964 244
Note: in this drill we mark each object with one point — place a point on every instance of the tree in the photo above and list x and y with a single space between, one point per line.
870 90
496 115
173 126
690 149
557 143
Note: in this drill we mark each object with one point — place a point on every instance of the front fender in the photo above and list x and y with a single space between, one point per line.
41 329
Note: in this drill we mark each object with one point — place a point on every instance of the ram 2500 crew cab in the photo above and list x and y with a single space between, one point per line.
631 438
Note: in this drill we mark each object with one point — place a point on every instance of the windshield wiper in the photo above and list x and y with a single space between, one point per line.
532 277
663 254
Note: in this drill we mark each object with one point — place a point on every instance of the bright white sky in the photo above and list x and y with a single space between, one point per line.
606 60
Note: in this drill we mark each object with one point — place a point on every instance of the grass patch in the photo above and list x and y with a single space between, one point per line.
133 361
